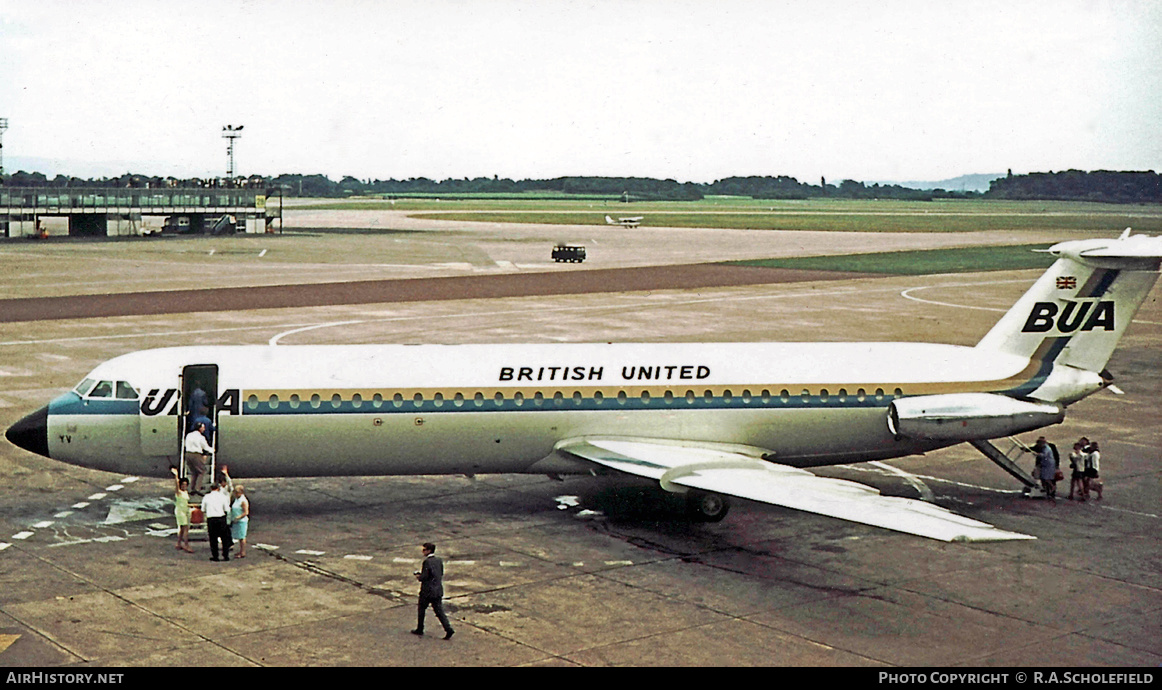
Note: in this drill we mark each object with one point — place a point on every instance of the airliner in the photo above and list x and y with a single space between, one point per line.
708 420
625 221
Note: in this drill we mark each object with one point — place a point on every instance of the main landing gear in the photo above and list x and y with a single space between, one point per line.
706 507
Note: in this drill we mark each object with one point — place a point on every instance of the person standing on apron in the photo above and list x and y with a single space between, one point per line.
181 510
216 506
431 577
1092 468
239 519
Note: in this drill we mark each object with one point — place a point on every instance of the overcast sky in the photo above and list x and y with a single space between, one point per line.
689 90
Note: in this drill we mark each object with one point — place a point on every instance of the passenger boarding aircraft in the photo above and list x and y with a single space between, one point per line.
625 222
709 420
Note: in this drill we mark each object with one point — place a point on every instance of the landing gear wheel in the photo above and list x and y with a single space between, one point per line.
706 507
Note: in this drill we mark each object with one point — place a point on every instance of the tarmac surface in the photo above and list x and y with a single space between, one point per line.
559 573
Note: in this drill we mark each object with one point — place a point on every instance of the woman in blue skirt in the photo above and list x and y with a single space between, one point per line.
239 519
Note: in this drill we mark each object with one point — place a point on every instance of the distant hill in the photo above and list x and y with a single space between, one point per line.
964 183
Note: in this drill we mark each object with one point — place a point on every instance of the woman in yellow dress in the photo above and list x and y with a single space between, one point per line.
181 510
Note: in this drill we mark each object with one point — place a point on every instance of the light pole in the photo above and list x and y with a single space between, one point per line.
230 132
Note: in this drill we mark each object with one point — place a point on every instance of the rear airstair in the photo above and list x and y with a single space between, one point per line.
1007 462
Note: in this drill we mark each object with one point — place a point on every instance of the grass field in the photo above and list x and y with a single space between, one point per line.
958 260
815 214
849 222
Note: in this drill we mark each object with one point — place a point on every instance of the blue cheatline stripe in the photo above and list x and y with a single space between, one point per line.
1046 367
409 406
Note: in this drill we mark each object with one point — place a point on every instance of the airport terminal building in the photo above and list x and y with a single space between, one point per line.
119 212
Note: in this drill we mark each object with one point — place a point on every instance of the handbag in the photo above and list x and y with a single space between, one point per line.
1058 476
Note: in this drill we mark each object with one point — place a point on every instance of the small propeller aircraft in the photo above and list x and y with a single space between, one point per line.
625 221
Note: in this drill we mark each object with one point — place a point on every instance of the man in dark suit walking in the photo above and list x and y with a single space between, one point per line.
431 577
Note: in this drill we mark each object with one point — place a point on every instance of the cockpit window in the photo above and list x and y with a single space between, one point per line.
125 391
84 386
103 389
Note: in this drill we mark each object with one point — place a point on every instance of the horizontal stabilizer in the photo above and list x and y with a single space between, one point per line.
741 471
1126 251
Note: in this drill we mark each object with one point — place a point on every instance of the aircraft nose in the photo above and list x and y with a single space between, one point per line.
31 433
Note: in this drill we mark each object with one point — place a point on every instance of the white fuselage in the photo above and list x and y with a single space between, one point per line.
450 409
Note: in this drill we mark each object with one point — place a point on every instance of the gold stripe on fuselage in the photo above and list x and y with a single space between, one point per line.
858 391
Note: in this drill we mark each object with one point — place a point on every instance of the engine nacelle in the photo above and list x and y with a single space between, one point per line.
967 416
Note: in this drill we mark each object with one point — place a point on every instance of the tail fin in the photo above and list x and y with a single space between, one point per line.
610 221
1078 310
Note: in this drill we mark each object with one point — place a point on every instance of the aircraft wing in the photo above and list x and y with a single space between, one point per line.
741 471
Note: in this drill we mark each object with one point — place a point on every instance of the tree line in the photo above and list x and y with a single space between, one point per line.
1102 185
624 188
1077 185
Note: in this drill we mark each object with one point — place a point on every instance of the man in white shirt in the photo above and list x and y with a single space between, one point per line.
197 453
216 506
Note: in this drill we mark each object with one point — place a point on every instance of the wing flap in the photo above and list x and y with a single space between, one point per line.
741 471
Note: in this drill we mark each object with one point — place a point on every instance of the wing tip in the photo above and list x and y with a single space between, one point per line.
993 535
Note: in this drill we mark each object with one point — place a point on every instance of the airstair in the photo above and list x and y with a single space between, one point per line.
223 225
199 391
198 530
1007 461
